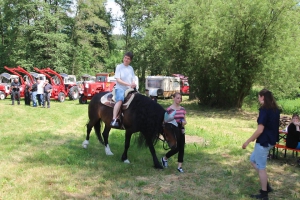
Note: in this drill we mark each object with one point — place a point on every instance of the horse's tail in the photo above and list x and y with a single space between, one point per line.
101 130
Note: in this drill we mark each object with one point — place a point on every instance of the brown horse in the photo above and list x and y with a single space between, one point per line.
143 115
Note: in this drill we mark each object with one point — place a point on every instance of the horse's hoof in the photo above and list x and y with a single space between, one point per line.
126 161
85 144
109 153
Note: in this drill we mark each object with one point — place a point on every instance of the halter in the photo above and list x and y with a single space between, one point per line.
164 140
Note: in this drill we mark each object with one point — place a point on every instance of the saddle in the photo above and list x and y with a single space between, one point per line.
109 100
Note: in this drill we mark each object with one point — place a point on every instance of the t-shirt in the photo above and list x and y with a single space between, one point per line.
269 118
34 87
17 85
40 89
47 87
179 115
126 74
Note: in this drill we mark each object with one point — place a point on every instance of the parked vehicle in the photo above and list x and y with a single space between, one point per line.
5 81
21 80
162 86
59 91
184 84
101 84
84 78
71 86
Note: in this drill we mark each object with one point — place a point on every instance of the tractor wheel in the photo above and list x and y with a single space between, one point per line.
61 97
2 96
82 100
73 93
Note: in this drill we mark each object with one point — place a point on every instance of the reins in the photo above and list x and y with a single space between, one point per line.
164 140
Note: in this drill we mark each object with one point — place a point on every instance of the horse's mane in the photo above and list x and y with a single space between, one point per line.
149 118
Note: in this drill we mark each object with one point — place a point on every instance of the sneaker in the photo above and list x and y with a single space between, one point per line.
180 170
164 162
263 195
114 123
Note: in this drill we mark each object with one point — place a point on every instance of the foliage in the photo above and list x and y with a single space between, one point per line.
50 34
224 46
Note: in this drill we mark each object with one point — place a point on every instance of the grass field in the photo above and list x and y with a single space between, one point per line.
41 157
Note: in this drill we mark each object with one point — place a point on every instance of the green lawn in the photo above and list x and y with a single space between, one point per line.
41 157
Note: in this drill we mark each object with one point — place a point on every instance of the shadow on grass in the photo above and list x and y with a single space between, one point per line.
207 175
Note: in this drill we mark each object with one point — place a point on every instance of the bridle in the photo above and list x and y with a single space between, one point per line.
163 134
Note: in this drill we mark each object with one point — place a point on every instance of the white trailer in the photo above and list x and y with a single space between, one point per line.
162 86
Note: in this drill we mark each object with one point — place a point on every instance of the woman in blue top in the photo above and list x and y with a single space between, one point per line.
266 136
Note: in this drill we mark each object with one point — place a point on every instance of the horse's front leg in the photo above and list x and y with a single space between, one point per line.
153 153
127 144
105 135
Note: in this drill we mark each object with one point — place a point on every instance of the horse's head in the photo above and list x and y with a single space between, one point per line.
171 133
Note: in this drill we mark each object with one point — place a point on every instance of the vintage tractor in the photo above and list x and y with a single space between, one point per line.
21 79
58 92
101 84
71 86
5 81
86 78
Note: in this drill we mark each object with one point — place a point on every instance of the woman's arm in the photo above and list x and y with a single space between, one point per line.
256 134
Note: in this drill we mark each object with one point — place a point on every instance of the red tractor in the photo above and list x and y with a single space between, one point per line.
101 84
71 86
5 81
60 91
184 84
14 71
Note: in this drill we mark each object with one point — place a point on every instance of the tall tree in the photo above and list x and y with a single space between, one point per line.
224 46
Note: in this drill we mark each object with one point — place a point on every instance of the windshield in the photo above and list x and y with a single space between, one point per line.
101 78
154 83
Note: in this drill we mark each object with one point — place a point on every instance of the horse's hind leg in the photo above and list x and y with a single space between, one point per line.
97 128
89 127
127 145
105 135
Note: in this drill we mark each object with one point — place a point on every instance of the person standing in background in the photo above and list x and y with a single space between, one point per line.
27 93
15 91
47 93
33 93
40 92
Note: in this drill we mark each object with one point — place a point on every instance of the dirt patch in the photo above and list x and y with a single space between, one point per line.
190 139
193 139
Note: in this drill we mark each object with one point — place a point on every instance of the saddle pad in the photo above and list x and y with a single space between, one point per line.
107 100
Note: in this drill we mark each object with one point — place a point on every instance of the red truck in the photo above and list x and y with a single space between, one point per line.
184 84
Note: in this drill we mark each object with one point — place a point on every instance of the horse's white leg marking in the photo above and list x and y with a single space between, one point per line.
108 151
126 161
85 144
